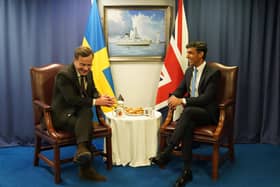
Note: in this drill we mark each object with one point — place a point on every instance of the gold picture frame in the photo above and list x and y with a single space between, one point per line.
137 33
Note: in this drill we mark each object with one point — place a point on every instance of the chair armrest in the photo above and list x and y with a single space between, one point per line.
168 119
100 116
226 103
42 105
222 116
47 109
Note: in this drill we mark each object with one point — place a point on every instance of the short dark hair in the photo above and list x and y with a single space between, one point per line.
82 51
199 46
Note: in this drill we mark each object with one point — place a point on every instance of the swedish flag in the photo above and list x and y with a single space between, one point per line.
94 39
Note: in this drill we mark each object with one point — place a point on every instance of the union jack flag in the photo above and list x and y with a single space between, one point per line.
175 62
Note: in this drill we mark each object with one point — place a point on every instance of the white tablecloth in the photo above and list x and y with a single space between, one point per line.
134 138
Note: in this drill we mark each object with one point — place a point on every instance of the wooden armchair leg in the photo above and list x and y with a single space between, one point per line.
57 170
109 152
37 150
215 161
162 143
231 150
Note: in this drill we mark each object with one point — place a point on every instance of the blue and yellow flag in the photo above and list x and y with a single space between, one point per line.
94 39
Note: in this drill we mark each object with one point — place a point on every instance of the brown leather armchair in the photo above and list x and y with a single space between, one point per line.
46 136
217 135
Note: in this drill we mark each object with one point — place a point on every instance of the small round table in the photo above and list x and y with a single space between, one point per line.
134 138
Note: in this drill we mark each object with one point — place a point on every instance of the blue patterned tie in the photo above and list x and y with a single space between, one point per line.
193 82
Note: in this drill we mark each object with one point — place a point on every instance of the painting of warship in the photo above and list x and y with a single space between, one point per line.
135 32
133 39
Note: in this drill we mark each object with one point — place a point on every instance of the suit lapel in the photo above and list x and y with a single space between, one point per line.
202 78
188 78
75 77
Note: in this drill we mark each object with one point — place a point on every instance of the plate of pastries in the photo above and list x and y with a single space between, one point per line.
134 111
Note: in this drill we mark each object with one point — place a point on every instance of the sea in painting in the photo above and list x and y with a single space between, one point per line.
154 49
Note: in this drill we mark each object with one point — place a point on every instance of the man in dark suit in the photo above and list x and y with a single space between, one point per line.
74 95
197 92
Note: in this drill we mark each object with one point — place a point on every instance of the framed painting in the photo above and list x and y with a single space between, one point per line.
137 33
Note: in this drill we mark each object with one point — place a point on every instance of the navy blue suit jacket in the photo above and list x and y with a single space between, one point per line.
207 90
67 94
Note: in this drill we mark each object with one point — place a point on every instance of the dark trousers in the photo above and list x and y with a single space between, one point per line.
80 123
191 117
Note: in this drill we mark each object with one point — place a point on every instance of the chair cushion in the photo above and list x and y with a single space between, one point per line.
171 126
98 129
58 134
206 130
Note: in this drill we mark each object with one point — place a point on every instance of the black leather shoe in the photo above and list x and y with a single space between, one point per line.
185 177
161 160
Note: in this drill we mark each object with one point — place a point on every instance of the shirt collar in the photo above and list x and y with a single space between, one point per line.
78 74
201 66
